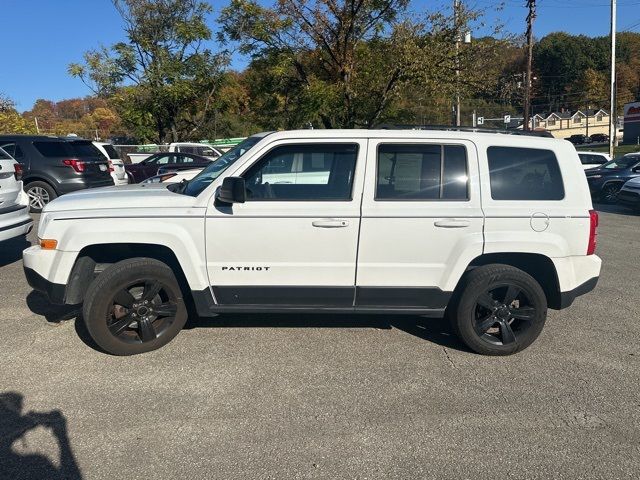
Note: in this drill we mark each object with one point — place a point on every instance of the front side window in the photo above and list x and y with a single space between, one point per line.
422 172
303 173
524 174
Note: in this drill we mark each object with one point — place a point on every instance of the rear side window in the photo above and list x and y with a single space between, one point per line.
524 174
4 155
422 172
12 149
51 149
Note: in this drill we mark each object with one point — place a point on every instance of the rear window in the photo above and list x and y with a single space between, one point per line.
524 174
85 149
51 149
112 152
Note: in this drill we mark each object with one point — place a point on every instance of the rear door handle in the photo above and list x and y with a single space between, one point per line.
452 223
330 223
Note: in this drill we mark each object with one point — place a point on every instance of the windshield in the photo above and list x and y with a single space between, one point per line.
622 162
213 171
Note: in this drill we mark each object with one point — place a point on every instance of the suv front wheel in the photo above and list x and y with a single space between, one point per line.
499 310
134 306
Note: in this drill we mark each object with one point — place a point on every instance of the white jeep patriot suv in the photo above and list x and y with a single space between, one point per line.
491 229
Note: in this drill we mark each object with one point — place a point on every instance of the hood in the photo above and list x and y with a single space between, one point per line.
155 196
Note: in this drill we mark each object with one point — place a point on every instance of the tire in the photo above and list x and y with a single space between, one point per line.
609 192
498 310
115 312
40 193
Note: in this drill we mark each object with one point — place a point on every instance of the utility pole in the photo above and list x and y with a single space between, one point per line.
531 16
613 117
35 119
456 26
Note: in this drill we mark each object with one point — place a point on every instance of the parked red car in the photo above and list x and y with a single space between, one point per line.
159 163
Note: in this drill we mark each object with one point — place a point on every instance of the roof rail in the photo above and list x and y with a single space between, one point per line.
450 128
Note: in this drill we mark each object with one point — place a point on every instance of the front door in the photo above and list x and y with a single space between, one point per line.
294 241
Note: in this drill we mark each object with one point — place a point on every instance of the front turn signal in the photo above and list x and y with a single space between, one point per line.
48 244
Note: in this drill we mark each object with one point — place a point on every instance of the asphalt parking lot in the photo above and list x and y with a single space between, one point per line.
295 396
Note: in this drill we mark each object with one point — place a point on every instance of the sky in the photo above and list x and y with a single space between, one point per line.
46 35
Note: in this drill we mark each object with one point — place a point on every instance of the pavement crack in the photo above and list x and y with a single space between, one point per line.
446 354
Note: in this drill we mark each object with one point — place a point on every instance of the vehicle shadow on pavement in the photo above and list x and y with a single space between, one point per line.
11 250
14 425
39 304
618 209
435 330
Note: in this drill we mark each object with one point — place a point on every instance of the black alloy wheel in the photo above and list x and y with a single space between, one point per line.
498 309
503 313
141 312
134 306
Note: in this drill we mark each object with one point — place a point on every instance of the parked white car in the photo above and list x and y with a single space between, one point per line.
492 228
593 159
116 165
14 202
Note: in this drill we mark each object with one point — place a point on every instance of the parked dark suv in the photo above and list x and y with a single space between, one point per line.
579 139
606 181
54 166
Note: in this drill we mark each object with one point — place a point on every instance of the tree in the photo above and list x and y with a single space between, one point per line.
171 79
11 121
319 41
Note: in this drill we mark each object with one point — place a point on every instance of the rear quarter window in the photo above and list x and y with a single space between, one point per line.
524 174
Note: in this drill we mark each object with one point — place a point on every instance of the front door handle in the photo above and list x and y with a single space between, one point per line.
330 223
452 223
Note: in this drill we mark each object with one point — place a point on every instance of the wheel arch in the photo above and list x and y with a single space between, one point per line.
39 178
539 266
93 259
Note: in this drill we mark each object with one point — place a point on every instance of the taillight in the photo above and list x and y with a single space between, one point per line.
77 165
18 171
593 232
111 169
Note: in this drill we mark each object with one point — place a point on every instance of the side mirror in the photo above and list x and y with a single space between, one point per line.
232 191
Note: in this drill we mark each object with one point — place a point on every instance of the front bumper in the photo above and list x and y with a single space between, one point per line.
55 292
15 221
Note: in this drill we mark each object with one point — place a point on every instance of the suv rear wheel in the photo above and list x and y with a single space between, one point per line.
500 310
134 306
40 193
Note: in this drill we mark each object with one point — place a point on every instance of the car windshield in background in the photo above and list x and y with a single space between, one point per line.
213 171
85 149
4 155
622 162
112 152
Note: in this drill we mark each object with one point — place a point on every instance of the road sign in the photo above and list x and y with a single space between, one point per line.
480 120
507 119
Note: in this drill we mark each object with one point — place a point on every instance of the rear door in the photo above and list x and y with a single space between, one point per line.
421 222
